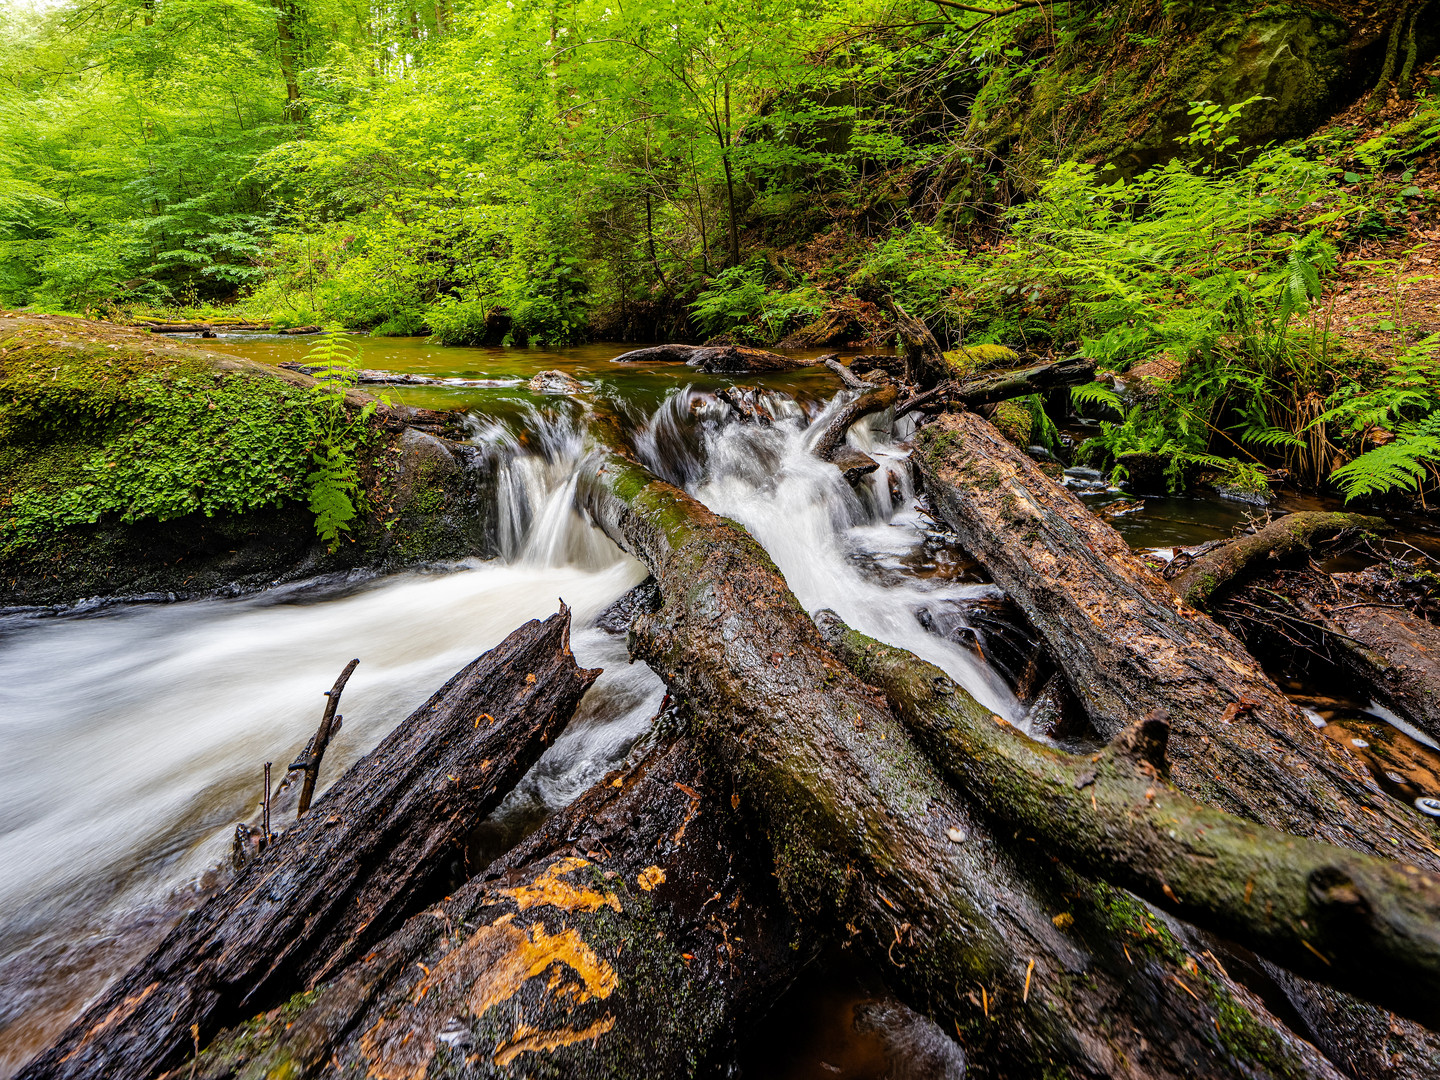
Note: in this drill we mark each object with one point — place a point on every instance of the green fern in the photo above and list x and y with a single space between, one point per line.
334 483
1094 394
1397 466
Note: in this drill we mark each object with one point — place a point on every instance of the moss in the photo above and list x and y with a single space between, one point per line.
1014 421
973 359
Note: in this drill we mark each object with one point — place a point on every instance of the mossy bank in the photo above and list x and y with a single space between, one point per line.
135 465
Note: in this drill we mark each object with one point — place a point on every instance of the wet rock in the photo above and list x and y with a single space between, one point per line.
555 382
853 464
915 1047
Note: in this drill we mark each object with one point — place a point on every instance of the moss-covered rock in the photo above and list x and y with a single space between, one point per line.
135 464
1117 91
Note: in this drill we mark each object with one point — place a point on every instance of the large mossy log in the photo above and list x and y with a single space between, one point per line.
634 934
1130 648
1360 923
1031 963
385 840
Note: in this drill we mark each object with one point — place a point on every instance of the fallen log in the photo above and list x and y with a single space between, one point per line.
1283 540
848 377
1029 962
634 934
374 377
716 359
871 401
385 840
1129 648
995 386
1359 923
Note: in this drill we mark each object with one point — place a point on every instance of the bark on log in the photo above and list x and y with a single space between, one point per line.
1395 653
1359 923
376 847
716 359
1029 961
1129 647
995 386
925 364
873 400
632 935
848 377
1279 542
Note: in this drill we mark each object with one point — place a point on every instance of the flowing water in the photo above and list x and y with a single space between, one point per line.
132 738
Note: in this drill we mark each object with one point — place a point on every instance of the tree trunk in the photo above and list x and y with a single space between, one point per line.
384 841
1130 648
632 935
925 364
288 52
1030 963
1357 922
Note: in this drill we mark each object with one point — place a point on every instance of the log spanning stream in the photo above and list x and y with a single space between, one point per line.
132 737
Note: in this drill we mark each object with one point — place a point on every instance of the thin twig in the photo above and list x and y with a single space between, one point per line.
310 760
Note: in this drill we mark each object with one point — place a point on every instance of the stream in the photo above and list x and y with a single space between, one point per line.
132 738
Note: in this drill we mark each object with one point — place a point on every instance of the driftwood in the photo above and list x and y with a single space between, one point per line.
848 377
718 359
1283 540
1031 964
631 935
384 841
1357 922
1130 648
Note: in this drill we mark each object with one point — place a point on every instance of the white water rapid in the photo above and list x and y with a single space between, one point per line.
132 738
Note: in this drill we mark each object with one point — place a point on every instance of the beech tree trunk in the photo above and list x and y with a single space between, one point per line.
1032 964
384 841
633 934
1130 648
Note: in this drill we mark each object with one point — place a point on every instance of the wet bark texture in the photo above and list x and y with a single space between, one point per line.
995 386
718 359
1036 967
1380 646
1131 649
1283 541
832 439
1360 923
381 843
632 935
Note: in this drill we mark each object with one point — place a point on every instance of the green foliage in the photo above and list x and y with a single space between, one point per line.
94 441
738 303
334 482
1404 404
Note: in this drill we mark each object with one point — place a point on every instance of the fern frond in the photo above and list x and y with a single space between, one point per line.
1399 465
1094 394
